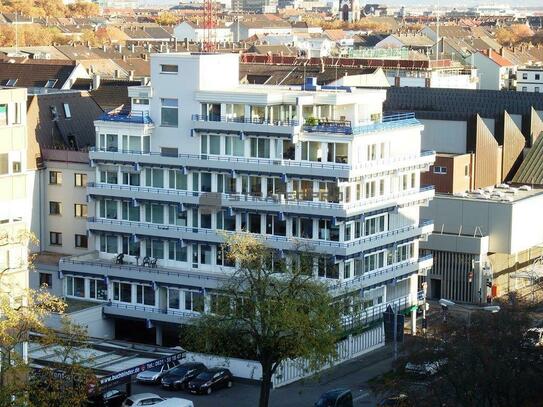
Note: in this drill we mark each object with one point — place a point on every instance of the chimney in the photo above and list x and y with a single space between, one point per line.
131 75
104 47
116 74
132 47
119 47
161 48
125 58
145 57
96 81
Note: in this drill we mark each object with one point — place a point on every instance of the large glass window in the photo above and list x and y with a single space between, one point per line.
225 221
98 289
210 144
178 180
108 177
375 224
234 146
109 244
194 301
176 251
145 295
130 246
177 216
275 226
122 292
154 213
260 147
154 177
169 112
405 251
205 254
108 209
226 184
131 178
338 153
311 151
276 186
155 248
130 211
173 298
75 286
374 261
327 268
328 231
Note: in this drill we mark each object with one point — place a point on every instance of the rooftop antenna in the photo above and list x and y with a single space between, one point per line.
210 22
437 30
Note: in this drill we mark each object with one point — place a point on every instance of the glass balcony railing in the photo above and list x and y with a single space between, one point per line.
126 117
387 123
246 120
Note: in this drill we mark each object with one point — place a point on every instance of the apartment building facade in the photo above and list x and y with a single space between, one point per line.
530 79
17 183
201 156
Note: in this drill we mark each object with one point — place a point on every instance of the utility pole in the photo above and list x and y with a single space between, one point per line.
395 333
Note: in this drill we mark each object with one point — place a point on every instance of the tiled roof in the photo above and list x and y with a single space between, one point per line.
51 127
36 73
496 58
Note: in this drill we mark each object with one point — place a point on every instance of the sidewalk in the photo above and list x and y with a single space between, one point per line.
353 374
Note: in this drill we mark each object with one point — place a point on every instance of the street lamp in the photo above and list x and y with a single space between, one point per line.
445 304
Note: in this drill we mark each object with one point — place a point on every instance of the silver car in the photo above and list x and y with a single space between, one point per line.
143 399
154 374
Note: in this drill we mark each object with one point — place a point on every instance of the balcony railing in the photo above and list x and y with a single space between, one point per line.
138 118
387 123
246 120
358 281
155 310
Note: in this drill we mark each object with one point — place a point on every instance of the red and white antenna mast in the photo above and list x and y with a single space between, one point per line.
210 22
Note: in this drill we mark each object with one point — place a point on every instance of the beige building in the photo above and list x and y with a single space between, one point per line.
17 175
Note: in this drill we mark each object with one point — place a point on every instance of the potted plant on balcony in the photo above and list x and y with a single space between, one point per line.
311 121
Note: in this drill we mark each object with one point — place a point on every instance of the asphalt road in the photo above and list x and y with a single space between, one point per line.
353 374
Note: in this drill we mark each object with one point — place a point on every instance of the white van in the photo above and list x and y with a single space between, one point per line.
175 402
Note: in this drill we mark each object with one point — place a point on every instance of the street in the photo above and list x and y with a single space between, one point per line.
353 374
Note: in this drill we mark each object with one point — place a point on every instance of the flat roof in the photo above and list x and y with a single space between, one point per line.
502 193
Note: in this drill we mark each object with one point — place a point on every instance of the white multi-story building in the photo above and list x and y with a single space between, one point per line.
201 156
530 79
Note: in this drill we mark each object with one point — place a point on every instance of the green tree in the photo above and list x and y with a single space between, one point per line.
268 311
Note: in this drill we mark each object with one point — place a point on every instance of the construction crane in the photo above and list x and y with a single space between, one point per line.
210 22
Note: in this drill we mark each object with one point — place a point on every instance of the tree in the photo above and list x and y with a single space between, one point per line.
488 363
83 9
268 311
166 18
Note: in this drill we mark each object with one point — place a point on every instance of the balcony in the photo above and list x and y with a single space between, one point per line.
387 123
381 275
148 312
244 124
124 117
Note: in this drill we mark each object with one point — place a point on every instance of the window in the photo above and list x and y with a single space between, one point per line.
155 248
311 151
375 224
55 238
177 251
260 147
176 216
405 252
46 280
80 210
75 286
327 268
194 301
536 89
178 180
122 292
524 75
173 298
55 177
11 82
169 113
210 144
67 111
234 146
108 244
129 211
55 208
275 226
226 184
338 153
97 289
140 101
169 68
131 178
108 177
108 209
169 152
154 213
374 261
51 84
225 221
81 241
4 164
327 231
440 170
130 246
525 89
537 76
154 177
145 295
289 150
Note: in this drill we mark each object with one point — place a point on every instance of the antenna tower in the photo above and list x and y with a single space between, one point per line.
210 22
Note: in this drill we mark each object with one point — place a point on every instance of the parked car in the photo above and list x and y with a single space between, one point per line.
336 398
179 376
154 374
210 380
109 398
425 368
175 402
400 400
533 337
143 399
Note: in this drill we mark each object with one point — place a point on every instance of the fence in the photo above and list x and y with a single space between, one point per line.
293 370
